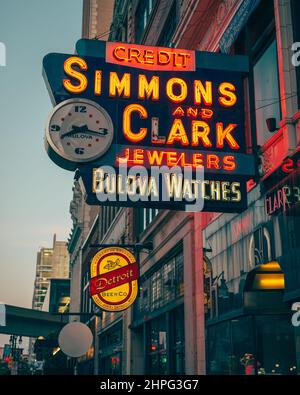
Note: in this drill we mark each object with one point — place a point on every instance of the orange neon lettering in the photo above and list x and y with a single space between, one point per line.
116 52
177 133
225 134
81 78
229 163
145 57
179 111
155 157
124 158
147 89
134 53
172 159
228 98
115 85
149 56
184 57
213 162
288 166
200 131
192 112
206 113
201 92
181 159
98 82
183 90
198 160
138 156
160 59
128 133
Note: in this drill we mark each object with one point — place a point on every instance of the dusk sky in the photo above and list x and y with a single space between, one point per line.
35 193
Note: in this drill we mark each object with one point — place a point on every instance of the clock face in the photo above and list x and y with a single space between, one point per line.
79 130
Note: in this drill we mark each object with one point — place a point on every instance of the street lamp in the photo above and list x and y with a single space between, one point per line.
221 291
222 288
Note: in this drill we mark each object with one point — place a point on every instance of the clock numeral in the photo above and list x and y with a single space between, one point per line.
80 108
79 151
55 128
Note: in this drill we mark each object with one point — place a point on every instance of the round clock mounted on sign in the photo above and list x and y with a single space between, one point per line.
78 131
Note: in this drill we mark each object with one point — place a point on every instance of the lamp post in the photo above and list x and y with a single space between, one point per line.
15 351
221 290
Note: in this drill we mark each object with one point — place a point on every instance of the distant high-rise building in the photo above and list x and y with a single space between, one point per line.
51 263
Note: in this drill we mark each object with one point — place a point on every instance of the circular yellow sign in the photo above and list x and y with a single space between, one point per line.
114 279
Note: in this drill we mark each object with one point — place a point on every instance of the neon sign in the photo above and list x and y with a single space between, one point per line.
190 116
151 58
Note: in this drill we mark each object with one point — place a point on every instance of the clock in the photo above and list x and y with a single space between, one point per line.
78 131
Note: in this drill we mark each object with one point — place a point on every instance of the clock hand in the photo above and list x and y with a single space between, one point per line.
74 130
84 129
101 131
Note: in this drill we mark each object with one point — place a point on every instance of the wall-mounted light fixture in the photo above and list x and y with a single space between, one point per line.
271 125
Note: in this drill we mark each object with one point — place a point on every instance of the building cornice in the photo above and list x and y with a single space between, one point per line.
74 238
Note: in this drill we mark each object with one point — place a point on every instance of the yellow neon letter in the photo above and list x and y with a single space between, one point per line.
201 92
146 89
98 82
115 85
128 133
183 88
227 90
178 133
81 78
116 53
200 131
225 134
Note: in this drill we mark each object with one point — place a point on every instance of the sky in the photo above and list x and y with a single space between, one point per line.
35 193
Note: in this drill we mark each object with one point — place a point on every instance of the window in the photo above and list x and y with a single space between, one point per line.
157 349
177 341
266 92
169 28
295 8
162 286
122 33
257 40
86 300
142 17
107 217
145 217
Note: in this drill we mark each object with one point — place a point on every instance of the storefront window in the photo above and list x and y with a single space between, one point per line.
165 343
177 317
157 347
295 8
290 244
163 286
111 342
275 345
266 90
243 360
219 349
252 345
115 361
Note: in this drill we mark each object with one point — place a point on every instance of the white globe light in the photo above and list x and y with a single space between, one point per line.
75 339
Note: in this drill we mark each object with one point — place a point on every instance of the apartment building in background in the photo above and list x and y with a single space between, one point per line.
216 290
52 262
